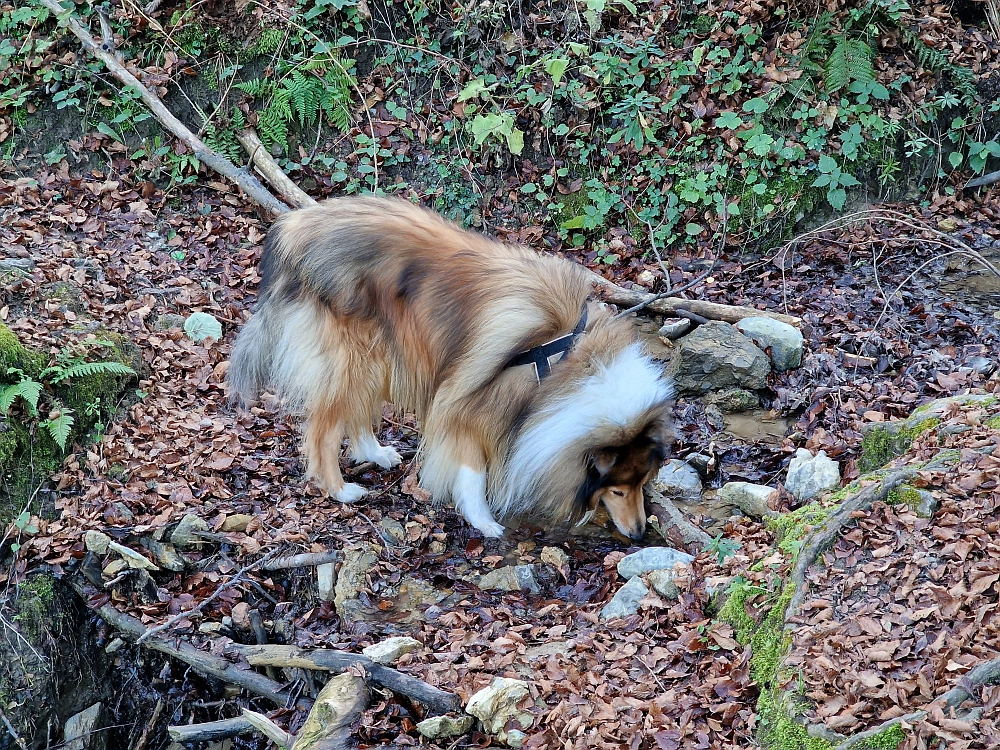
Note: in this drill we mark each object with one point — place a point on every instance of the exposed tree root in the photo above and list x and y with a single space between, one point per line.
338 706
985 674
875 731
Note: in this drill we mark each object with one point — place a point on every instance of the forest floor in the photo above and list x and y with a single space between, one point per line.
137 262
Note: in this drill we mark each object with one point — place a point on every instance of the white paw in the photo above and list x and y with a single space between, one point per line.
351 493
386 457
490 529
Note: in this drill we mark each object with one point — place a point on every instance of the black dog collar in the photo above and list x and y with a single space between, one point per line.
539 355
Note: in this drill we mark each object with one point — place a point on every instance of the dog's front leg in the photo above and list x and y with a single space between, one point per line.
469 494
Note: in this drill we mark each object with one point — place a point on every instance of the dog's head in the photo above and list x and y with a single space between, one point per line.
616 474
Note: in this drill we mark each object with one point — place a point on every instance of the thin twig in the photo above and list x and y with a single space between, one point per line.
674 293
215 594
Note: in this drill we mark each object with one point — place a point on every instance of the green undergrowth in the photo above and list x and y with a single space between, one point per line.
48 405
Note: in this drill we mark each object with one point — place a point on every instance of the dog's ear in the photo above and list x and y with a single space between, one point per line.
597 464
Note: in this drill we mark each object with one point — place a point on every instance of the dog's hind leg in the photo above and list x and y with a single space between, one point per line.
324 433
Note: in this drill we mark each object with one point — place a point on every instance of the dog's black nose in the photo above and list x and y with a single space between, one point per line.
637 533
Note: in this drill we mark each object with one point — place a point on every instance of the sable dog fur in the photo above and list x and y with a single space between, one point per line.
367 300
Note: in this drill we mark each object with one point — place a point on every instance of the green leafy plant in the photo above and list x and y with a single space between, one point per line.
834 180
722 548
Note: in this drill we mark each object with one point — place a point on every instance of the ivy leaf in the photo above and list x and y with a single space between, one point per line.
200 326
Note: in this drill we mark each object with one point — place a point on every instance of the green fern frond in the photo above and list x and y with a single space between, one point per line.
257 87
28 389
851 60
59 428
87 369
963 79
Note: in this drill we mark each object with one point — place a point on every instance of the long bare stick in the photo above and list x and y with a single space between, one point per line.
243 179
274 174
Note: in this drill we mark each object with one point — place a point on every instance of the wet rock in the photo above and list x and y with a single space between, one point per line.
810 476
717 356
626 600
445 726
82 731
677 480
184 535
674 328
783 341
713 415
351 577
388 651
511 578
96 542
237 522
652 558
750 498
497 704
166 555
662 582
731 400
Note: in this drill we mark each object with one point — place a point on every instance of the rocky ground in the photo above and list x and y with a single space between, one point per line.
198 493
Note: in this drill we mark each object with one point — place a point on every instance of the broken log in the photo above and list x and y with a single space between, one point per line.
622 297
436 701
210 730
340 703
304 560
669 516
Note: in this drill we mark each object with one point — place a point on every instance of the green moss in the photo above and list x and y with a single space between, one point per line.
881 444
889 739
791 528
993 423
13 354
35 597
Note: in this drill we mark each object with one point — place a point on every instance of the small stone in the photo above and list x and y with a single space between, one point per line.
626 600
437 548
166 555
673 328
713 415
557 558
241 616
927 505
810 476
237 522
132 558
351 577
114 568
392 531
115 645
496 704
166 321
184 536
783 341
445 726
948 225
387 652
96 542
646 278
677 480
124 512
17 264
663 584
750 498
983 365
511 578
515 738
210 628
82 731
731 400
326 581
652 558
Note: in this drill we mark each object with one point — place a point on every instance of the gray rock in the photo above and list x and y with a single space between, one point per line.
96 542
733 400
326 582
391 531
438 727
388 651
496 704
810 476
511 578
783 340
678 481
983 365
82 731
351 576
515 738
713 415
750 498
663 584
927 506
166 555
166 321
184 535
651 558
717 356
132 558
17 264
674 328
626 600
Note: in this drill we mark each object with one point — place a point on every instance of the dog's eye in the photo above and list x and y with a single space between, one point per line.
617 493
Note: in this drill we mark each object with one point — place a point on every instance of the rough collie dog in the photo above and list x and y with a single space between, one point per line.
533 404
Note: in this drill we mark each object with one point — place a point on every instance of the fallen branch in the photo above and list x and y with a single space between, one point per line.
237 578
147 731
668 516
435 700
669 305
823 536
208 664
241 177
268 728
274 174
985 674
860 737
986 179
340 703
304 560
210 730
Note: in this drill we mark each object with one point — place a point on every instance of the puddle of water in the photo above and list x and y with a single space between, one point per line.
757 426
